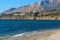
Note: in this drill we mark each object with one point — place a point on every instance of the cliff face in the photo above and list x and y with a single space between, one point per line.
50 4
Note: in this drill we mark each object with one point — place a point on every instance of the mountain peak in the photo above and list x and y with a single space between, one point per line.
44 5
50 4
27 8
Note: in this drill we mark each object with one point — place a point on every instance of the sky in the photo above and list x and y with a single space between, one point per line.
7 4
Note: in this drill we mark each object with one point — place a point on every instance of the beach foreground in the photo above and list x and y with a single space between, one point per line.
43 35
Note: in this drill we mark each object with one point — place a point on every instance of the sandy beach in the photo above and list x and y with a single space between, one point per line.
42 35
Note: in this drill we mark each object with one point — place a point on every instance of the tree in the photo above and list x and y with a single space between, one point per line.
35 14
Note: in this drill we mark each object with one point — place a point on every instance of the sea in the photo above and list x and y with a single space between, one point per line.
13 27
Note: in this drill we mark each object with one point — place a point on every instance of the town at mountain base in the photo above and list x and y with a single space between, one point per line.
50 15
44 10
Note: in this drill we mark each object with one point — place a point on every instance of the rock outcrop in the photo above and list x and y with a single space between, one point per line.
50 4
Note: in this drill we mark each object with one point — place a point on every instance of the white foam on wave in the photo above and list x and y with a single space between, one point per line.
25 34
18 35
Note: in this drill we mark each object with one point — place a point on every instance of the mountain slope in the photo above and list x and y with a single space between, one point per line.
45 5
27 8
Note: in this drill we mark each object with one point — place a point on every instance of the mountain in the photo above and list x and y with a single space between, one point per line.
9 10
44 5
28 8
50 4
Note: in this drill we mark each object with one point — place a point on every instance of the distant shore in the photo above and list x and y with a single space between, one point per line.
49 15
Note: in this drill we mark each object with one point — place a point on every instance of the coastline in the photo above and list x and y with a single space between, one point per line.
35 35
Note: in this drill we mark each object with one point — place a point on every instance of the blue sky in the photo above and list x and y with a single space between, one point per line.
7 4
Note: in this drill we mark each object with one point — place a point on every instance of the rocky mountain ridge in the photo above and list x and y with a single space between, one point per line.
46 10
44 5
27 8
50 4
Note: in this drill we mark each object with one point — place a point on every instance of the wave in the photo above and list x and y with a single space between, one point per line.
25 34
18 35
31 33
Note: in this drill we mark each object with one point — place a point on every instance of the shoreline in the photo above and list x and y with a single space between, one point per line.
34 34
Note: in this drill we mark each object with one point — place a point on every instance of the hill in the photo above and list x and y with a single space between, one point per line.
27 8
46 10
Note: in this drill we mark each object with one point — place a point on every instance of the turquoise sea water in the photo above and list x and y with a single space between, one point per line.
20 26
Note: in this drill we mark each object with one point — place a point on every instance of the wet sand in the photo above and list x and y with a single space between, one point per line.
42 35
